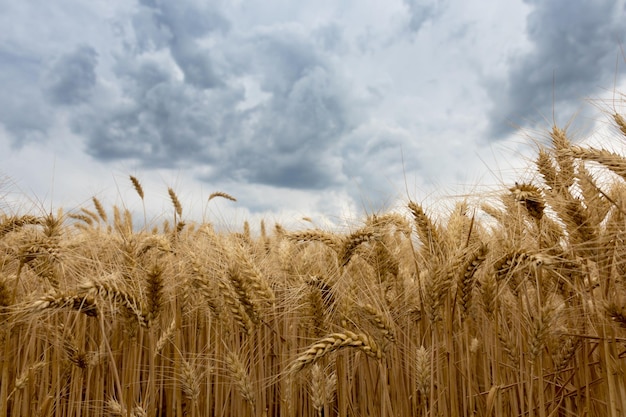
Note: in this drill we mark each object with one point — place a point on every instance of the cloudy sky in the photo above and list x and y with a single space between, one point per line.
317 108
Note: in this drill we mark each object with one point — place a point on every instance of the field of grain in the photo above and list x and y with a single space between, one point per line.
516 307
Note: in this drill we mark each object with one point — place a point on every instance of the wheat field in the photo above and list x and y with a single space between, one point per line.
516 307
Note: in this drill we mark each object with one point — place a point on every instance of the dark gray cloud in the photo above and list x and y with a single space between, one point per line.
182 24
574 45
72 77
209 117
288 140
24 112
160 120
423 11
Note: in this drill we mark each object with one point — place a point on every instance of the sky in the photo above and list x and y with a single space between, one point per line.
319 109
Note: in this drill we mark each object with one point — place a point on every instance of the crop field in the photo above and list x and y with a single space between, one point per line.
513 307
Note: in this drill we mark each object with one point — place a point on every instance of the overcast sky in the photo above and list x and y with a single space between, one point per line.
297 108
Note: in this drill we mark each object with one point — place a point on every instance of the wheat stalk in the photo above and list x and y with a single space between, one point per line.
565 174
92 215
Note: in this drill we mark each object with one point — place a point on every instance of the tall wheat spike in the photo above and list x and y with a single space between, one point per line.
333 343
175 202
222 195
240 376
100 209
137 186
621 123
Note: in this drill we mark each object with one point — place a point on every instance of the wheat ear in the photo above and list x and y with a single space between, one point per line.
333 343
115 409
426 230
137 186
154 290
561 143
109 289
9 224
175 202
190 381
468 277
541 329
222 195
617 312
83 303
329 239
100 209
379 320
27 374
621 123
422 371
353 241
81 217
322 388
530 196
613 161
241 377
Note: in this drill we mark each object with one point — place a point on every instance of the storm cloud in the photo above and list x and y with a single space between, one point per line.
72 77
179 107
573 47
24 111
